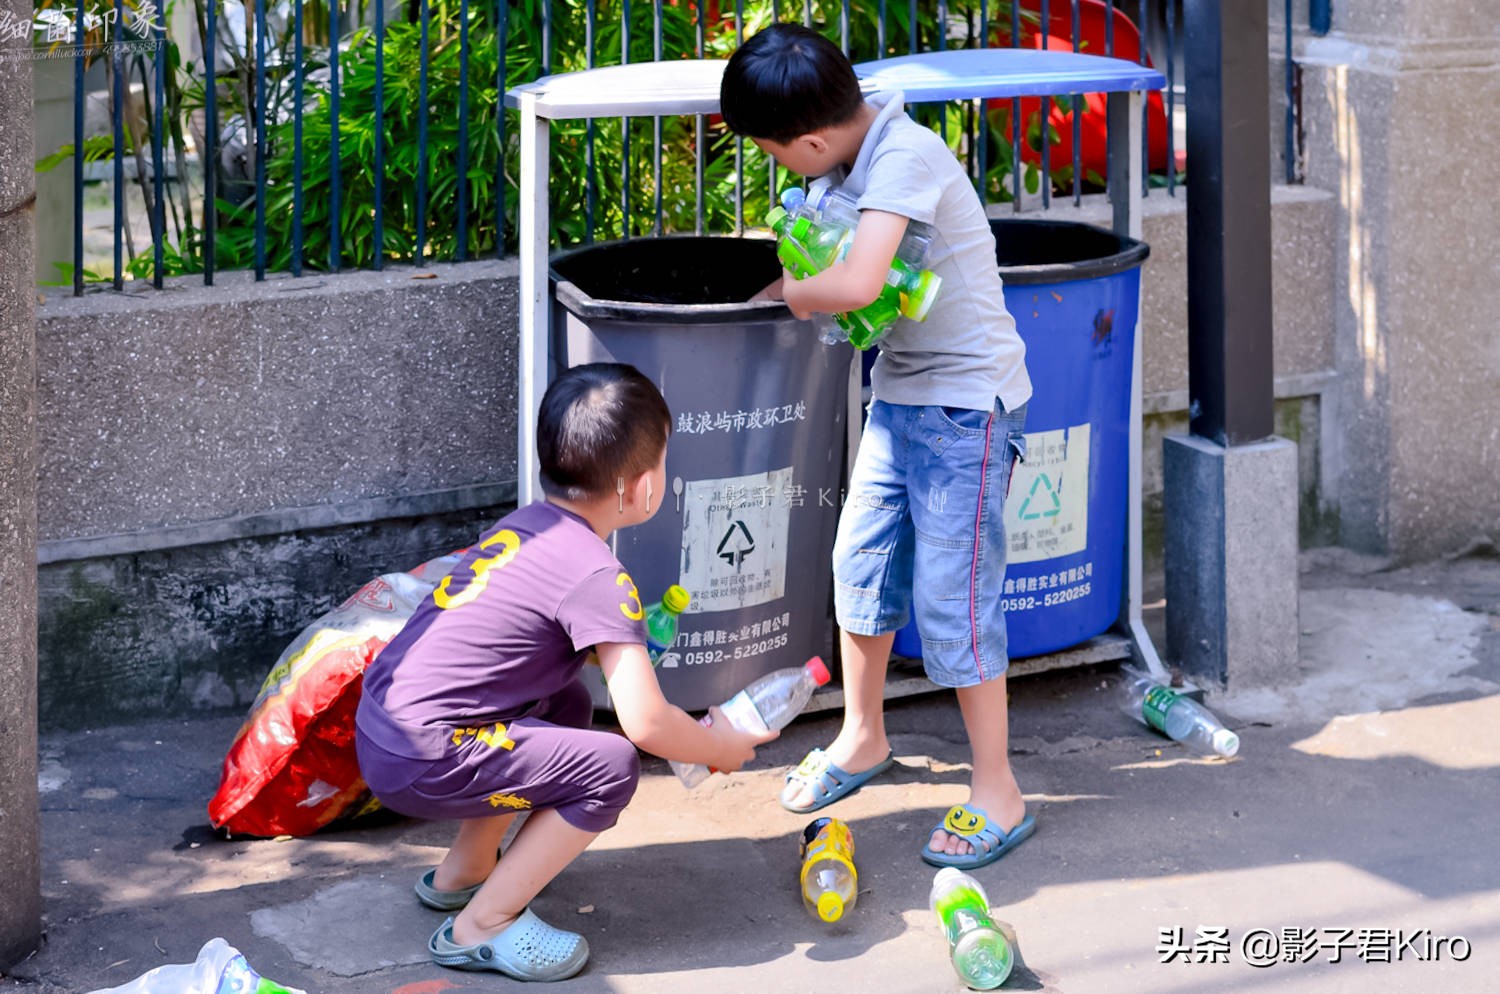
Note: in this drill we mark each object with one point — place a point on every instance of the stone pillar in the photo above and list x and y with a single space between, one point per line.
20 863
1231 552
1399 116
1230 488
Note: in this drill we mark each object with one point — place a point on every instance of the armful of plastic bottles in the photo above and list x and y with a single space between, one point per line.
794 255
813 236
798 259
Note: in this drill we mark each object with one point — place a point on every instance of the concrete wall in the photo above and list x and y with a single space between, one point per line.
206 404
219 466
20 860
1400 124
175 629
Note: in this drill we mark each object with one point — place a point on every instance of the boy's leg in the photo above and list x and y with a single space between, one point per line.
872 580
993 787
583 780
959 478
472 856
573 783
541 849
861 742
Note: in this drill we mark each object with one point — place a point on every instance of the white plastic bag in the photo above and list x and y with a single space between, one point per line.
219 969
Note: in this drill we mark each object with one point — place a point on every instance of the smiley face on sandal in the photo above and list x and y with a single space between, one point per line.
962 821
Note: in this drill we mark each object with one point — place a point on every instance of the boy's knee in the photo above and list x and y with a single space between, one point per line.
621 772
628 767
616 775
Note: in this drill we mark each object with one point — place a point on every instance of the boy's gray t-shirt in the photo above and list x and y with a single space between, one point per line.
967 352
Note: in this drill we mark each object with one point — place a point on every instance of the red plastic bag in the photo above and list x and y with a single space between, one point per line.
291 768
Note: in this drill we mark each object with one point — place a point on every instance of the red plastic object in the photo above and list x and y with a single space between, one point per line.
292 768
1057 35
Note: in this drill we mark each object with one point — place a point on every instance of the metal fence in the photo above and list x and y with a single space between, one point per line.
301 134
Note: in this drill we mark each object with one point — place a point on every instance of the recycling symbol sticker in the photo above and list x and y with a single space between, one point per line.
1043 505
734 540
736 544
1047 512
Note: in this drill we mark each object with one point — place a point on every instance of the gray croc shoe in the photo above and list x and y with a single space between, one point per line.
526 949
444 900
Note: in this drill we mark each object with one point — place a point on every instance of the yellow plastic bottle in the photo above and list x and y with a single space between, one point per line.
830 884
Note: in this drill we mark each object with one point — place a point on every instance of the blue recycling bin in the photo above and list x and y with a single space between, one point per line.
1074 290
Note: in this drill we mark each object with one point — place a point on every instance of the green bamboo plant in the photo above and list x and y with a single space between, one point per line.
492 143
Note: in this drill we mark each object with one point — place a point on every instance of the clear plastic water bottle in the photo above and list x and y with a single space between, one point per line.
1175 716
661 622
830 884
830 332
979 950
769 702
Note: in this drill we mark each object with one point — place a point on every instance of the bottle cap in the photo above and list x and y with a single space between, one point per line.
775 218
818 670
676 599
830 906
1226 743
792 198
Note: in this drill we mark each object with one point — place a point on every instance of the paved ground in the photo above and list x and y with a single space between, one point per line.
1364 801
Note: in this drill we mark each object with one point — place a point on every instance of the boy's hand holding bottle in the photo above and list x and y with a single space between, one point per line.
736 746
767 705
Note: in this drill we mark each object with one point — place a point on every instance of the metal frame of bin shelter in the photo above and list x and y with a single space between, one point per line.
691 86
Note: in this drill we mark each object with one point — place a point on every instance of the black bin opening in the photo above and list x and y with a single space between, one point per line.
674 271
1038 251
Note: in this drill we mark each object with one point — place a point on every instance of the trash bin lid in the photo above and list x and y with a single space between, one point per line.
640 89
973 73
691 86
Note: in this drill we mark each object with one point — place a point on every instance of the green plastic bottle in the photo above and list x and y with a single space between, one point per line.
813 235
661 622
979 950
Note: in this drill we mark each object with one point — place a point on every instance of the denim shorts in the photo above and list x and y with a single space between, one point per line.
923 530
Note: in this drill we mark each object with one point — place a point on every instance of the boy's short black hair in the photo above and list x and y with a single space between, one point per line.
787 81
599 423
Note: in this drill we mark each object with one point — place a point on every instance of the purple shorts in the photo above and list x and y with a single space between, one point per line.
547 758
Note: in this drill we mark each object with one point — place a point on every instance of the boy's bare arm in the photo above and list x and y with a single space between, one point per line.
859 277
661 728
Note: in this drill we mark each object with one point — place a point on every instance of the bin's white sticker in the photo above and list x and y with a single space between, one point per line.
1047 513
734 536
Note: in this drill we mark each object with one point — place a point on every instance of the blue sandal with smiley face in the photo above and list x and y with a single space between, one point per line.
988 841
827 780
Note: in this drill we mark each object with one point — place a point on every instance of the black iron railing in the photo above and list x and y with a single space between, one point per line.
302 140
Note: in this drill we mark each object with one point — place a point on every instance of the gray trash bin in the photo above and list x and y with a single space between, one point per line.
754 463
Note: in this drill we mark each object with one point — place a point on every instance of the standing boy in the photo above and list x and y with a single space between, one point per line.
923 526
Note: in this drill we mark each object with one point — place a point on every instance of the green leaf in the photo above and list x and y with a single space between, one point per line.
47 163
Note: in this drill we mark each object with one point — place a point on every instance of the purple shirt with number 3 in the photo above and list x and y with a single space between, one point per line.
511 625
